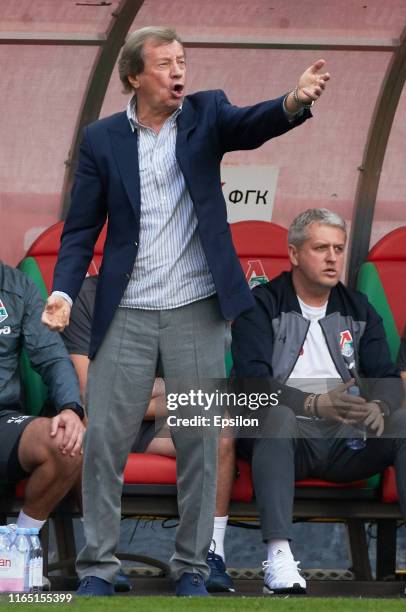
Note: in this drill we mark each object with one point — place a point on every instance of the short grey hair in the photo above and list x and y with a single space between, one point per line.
297 233
131 60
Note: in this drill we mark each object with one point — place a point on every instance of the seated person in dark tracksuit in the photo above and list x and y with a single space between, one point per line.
311 340
154 438
46 451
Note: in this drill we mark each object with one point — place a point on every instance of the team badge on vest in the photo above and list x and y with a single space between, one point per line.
255 274
3 312
346 343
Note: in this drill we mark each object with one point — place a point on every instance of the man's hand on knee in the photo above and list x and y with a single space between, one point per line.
73 432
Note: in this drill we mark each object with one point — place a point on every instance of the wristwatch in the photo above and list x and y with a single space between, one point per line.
75 407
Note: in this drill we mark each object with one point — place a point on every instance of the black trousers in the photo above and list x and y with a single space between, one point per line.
294 449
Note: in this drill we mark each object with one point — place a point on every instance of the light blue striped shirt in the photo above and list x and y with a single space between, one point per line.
171 268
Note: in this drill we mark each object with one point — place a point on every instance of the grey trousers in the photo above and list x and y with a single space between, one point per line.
191 343
302 449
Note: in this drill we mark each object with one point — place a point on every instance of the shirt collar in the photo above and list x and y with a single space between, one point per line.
132 113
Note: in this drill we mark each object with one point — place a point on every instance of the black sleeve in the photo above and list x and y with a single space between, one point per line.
252 346
77 335
47 354
402 353
376 364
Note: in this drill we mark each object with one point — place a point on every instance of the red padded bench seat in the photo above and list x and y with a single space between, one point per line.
146 469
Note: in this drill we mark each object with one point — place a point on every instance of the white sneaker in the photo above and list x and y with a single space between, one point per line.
281 575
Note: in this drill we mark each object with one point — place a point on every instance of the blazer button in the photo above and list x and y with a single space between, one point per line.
128 275
135 243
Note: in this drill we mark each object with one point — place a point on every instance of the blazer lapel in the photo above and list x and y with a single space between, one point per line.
125 151
186 123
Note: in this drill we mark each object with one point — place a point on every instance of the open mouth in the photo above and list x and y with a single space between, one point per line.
178 88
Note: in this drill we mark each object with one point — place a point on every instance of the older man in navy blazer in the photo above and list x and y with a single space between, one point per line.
169 282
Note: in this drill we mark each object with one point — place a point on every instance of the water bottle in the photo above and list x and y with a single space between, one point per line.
358 442
31 561
22 548
5 560
11 528
36 561
14 562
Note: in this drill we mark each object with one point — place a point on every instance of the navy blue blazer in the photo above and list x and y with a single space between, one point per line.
107 185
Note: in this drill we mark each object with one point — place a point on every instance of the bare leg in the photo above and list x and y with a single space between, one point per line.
225 470
162 446
77 492
225 474
52 473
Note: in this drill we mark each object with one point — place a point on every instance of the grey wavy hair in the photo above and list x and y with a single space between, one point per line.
131 60
297 233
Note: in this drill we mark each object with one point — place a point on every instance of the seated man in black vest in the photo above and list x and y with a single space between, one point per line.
322 349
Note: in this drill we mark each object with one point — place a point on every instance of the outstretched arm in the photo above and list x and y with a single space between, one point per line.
249 127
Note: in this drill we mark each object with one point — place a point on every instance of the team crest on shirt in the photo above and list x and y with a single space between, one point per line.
346 343
3 312
255 274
